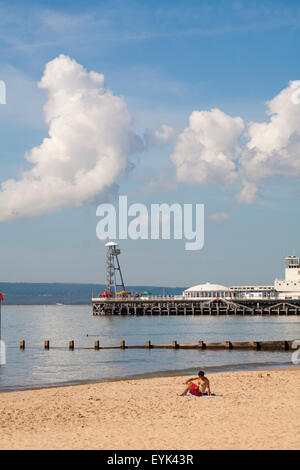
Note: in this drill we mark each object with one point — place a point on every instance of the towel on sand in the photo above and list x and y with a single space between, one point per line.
189 395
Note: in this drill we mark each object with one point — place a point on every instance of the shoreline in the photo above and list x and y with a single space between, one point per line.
253 410
156 375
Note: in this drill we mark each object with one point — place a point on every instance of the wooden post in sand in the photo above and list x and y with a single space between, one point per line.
22 345
97 345
47 344
71 345
122 344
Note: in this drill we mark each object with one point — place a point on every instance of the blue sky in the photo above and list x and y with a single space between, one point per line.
167 59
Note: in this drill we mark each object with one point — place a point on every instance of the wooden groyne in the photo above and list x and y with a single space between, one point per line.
173 307
201 345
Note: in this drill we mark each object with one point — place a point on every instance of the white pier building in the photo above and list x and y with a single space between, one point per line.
208 291
287 289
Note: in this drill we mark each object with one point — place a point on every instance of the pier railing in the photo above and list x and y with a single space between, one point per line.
139 299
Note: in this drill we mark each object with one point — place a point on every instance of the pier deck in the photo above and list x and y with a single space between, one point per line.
173 306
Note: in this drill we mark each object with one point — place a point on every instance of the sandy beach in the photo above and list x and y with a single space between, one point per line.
257 410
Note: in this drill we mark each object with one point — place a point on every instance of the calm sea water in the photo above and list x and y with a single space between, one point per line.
38 368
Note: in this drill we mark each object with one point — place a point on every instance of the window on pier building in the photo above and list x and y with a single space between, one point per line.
292 262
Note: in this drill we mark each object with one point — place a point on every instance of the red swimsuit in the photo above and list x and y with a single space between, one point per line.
194 390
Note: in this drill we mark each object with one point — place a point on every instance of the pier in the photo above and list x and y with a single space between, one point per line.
172 306
282 298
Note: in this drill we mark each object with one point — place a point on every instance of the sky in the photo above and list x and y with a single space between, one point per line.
188 102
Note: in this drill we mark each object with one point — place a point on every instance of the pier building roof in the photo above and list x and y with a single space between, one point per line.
207 287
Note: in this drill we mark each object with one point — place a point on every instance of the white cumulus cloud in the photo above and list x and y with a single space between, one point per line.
87 149
207 150
273 148
219 150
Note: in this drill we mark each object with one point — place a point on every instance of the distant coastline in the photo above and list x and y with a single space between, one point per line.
30 293
45 305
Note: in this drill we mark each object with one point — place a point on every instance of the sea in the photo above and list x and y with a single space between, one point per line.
35 368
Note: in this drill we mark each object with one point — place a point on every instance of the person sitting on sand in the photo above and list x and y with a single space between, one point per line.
203 387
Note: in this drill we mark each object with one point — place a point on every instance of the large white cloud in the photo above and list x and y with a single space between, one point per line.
90 144
207 150
273 148
211 151
88 147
